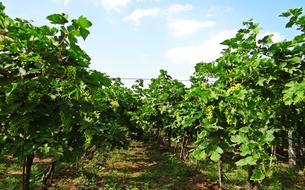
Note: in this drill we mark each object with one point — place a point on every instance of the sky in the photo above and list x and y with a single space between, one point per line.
137 38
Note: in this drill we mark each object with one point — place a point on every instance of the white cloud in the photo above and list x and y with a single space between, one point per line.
65 2
114 5
111 21
186 27
179 8
96 3
143 54
207 51
277 37
217 11
147 0
137 15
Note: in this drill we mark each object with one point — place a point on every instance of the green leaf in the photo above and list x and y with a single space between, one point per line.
294 93
215 156
245 150
296 12
2 7
72 39
199 154
299 38
84 33
290 24
242 94
240 138
57 152
261 81
285 14
250 160
5 22
269 136
257 175
58 18
219 150
46 148
295 60
83 22
244 129
269 173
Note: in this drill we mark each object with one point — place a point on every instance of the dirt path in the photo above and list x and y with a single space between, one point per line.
140 167
145 167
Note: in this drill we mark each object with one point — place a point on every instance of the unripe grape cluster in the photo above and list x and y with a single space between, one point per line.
229 118
209 112
87 95
234 88
71 72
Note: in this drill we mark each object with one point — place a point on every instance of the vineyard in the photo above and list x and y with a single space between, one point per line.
65 126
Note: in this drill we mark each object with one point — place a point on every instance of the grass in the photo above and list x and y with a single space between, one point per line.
140 167
10 173
143 167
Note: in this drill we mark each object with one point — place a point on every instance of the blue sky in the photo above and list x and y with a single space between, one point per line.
137 38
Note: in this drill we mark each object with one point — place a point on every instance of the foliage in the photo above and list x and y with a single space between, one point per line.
247 105
52 105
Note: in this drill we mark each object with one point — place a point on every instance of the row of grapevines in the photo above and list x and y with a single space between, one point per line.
255 107
51 104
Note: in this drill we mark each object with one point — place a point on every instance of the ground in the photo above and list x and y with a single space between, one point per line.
141 167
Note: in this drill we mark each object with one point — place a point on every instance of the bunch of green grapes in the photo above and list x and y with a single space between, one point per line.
234 88
229 118
71 72
209 112
86 95
97 114
115 104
